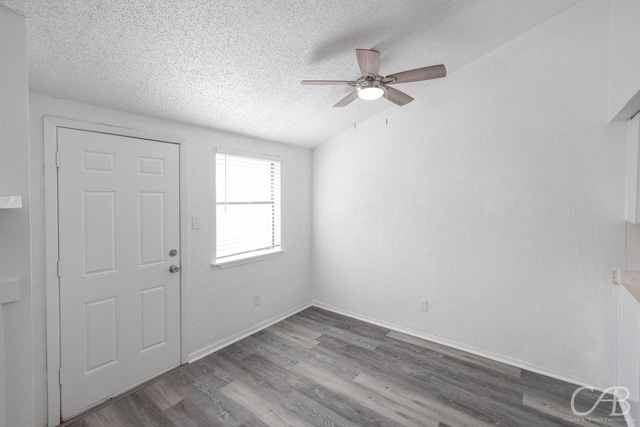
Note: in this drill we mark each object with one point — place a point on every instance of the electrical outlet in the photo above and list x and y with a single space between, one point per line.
423 305
256 300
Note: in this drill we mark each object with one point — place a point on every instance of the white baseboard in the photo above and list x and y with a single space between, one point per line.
199 354
473 350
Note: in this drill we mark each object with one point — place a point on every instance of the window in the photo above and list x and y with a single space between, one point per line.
247 206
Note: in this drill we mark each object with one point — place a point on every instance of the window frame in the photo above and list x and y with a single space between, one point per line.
245 258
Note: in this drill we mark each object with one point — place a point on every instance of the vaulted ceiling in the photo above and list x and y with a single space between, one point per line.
237 65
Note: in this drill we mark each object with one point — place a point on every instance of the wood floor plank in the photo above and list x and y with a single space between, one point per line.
268 412
188 414
162 394
203 371
356 326
230 367
546 389
137 410
276 349
556 408
458 354
345 406
391 409
353 338
553 388
420 402
336 364
362 357
421 369
219 408
446 372
292 336
273 383
106 417
236 352
269 375
495 411
298 329
355 335
253 422
313 412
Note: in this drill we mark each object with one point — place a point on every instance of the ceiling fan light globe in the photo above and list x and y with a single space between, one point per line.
370 93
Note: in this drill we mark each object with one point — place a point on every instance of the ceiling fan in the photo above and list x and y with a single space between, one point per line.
372 86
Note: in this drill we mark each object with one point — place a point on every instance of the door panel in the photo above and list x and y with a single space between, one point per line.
151 228
98 162
150 166
99 231
100 328
153 317
118 201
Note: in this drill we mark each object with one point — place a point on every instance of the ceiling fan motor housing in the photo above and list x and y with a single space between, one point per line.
371 89
370 83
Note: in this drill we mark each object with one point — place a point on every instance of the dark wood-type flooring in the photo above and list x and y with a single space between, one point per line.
319 368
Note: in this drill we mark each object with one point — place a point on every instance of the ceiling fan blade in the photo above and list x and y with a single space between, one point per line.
328 82
368 61
419 74
397 97
347 99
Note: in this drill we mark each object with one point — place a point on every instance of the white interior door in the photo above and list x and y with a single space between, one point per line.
118 201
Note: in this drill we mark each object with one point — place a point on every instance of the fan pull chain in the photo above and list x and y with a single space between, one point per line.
355 118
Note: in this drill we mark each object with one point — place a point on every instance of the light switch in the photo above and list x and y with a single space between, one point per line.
9 291
195 222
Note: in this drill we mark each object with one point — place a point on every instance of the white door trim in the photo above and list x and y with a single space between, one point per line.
51 125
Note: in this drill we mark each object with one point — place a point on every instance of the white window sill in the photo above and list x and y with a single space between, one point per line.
234 261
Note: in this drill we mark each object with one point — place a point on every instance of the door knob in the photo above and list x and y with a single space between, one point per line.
174 268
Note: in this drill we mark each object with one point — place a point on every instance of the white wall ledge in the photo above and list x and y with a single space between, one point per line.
232 262
630 280
10 202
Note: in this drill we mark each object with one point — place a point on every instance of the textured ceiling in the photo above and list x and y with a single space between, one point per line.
237 65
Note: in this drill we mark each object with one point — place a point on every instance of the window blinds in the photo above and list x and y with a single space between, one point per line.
247 206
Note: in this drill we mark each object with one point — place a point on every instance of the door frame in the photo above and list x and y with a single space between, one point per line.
51 126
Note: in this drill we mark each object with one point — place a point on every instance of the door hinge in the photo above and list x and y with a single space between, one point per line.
60 376
59 269
57 159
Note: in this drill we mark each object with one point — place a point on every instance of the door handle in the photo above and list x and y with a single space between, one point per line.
174 269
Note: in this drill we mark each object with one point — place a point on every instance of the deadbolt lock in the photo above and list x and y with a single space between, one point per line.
173 252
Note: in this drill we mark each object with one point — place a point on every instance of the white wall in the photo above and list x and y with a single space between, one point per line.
16 393
624 59
220 301
497 196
